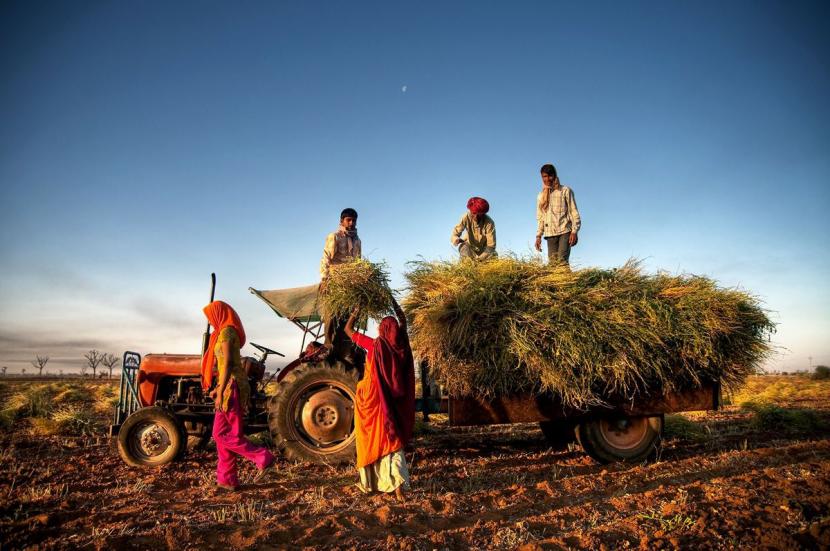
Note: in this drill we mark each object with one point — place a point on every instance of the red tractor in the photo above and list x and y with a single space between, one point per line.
162 410
310 413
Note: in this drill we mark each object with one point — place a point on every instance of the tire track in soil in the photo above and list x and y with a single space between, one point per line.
480 487
579 493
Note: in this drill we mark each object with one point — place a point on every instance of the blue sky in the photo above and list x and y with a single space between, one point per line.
144 145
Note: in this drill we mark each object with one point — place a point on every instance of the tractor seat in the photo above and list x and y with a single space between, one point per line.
254 369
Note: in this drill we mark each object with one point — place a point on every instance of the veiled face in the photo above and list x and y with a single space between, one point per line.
215 312
388 329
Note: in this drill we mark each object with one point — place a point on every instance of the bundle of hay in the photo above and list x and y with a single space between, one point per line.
360 284
511 325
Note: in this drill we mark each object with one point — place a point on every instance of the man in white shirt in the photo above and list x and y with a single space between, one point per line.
342 245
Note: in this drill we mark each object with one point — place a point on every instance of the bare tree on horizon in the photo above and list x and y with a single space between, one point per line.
4 370
93 360
110 360
23 371
39 364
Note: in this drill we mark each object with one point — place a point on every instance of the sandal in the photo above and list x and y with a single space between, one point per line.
264 472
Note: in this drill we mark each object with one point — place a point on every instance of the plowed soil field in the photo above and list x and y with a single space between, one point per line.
738 478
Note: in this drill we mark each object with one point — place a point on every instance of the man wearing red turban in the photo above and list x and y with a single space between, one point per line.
478 229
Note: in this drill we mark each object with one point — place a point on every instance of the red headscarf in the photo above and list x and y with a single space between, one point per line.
478 205
220 315
396 374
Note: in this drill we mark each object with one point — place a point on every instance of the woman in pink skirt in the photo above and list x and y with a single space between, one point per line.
231 395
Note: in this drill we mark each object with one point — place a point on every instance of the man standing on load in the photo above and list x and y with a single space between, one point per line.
557 217
341 246
480 242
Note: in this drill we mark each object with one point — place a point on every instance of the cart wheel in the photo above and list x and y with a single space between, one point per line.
150 437
311 417
620 438
558 433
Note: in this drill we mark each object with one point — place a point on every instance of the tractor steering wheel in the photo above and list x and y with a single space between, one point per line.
266 350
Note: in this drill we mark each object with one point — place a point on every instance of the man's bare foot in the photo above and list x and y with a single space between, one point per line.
399 495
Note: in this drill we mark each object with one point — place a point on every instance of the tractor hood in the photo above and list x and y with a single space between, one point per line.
155 367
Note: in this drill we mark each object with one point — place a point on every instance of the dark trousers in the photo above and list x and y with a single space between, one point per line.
559 250
342 347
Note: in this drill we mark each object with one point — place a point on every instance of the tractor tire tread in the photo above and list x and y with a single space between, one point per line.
276 404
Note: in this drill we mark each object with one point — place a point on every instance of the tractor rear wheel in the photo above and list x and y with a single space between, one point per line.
620 438
150 437
311 417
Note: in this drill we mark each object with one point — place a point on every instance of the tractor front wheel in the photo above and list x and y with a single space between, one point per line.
150 437
311 417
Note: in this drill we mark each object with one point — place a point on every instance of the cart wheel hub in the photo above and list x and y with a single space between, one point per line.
153 440
625 434
327 416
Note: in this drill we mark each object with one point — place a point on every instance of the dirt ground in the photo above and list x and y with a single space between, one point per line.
722 480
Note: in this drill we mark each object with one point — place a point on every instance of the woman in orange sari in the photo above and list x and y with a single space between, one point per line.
231 395
384 406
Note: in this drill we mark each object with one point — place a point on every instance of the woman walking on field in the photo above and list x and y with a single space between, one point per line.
231 395
384 406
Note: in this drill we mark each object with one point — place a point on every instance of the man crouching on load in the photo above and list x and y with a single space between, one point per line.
480 242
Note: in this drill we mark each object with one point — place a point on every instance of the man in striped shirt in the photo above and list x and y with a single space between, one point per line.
557 217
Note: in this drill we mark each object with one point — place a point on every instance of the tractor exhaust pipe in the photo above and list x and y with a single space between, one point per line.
206 334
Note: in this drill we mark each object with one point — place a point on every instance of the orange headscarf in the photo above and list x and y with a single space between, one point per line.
220 315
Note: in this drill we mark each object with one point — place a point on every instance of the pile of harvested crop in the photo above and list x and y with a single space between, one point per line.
512 325
360 284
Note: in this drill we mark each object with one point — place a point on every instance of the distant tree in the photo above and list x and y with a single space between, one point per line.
4 370
39 364
60 372
93 360
821 372
23 371
110 360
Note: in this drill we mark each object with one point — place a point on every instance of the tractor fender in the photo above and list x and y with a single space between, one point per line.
289 368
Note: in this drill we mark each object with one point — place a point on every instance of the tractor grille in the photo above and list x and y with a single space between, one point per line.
128 400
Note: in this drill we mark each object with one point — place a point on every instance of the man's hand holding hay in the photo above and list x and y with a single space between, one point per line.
358 285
